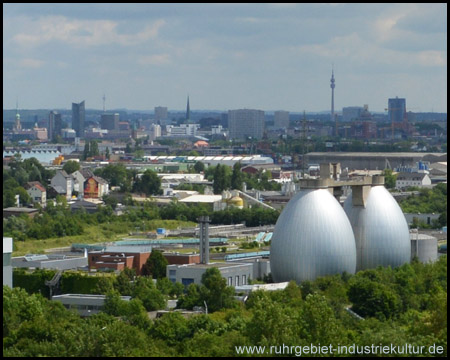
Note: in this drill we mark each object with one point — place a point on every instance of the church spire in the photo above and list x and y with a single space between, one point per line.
188 111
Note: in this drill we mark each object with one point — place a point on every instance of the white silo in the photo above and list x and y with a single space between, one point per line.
313 237
424 247
380 229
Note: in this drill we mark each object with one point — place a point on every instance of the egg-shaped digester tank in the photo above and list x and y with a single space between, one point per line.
313 237
381 231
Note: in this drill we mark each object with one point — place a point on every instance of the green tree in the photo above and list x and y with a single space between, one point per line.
222 178
215 291
199 167
86 151
191 298
236 177
372 298
155 265
151 297
116 175
389 179
149 183
94 148
110 200
24 198
71 166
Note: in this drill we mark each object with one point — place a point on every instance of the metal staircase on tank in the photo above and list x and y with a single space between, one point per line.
54 283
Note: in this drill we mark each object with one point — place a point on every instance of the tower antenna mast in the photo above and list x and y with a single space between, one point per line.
332 86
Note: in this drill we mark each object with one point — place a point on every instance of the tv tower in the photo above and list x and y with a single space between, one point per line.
332 86
104 99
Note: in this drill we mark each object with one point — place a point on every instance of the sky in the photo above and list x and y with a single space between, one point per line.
225 56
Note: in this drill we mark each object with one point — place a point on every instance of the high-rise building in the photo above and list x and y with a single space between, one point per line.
155 131
246 123
110 121
281 119
160 114
397 110
54 124
78 117
351 113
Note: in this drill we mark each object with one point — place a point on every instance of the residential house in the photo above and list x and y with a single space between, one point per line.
95 187
37 192
405 180
79 177
63 181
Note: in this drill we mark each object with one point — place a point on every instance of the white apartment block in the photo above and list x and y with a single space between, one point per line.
155 132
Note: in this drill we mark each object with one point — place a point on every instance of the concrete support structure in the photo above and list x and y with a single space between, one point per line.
204 239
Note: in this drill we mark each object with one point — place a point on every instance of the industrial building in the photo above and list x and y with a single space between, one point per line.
134 257
235 273
84 304
314 236
373 161
50 261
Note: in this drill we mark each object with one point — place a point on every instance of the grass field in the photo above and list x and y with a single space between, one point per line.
92 234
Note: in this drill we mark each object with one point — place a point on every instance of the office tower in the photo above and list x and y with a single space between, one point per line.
54 124
78 116
281 119
110 121
246 123
397 110
160 114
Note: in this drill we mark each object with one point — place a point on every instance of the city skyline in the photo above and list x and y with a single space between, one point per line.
225 56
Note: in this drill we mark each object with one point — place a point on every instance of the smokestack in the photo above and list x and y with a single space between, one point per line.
203 224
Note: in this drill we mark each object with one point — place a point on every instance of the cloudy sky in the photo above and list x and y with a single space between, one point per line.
225 56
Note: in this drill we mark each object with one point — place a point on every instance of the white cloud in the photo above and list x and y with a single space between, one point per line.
31 63
159 59
82 32
431 58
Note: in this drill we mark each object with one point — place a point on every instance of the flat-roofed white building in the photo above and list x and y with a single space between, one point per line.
235 273
7 267
84 304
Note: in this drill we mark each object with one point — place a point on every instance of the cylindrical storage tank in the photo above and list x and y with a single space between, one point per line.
425 247
313 237
381 231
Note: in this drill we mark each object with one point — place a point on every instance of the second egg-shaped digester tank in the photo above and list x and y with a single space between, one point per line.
313 237
381 231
